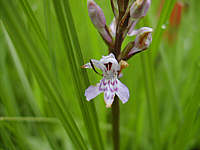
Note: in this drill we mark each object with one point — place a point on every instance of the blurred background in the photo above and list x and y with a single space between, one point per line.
42 104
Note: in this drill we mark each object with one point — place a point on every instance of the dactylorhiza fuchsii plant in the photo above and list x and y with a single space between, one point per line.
127 15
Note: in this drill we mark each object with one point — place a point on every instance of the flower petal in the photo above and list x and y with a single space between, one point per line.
92 91
133 23
122 92
113 27
103 85
140 31
110 58
96 63
109 98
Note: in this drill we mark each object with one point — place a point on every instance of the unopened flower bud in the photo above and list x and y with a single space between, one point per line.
98 19
139 8
96 15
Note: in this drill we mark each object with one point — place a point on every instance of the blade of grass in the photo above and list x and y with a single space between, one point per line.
30 96
29 119
80 61
40 69
147 63
6 141
88 110
150 88
33 21
157 35
173 90
190 115
7 96
13 138
148 75
21 73
49 35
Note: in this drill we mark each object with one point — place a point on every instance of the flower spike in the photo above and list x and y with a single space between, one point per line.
126 17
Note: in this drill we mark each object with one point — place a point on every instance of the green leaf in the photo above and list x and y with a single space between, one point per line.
26 45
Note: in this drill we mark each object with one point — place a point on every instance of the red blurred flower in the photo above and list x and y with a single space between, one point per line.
174 20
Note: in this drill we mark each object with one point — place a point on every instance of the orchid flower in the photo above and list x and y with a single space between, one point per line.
109 85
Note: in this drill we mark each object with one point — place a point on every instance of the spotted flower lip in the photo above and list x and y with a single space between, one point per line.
109 85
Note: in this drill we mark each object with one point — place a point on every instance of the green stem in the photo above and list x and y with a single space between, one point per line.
115 123
29 119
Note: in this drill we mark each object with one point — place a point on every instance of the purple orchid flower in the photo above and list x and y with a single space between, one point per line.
110 84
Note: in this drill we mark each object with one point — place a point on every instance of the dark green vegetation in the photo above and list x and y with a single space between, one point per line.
42 104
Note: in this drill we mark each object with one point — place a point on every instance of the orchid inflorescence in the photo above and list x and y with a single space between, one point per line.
127 15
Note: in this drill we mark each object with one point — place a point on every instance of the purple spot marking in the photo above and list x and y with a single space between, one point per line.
100 89
112 90
113 83
105 94
116 89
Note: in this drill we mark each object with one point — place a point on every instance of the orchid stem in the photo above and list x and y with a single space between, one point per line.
115 123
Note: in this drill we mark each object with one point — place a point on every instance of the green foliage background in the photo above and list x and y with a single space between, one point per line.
42 104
